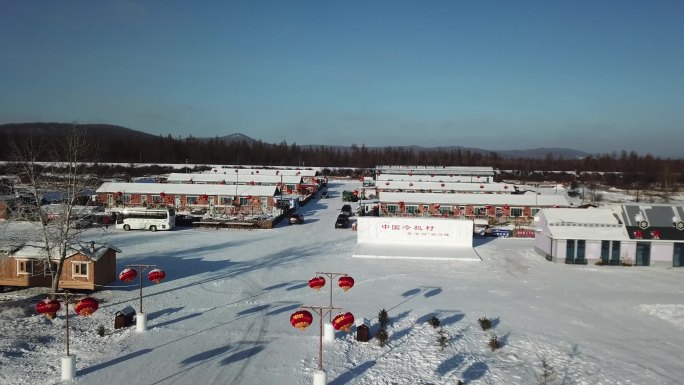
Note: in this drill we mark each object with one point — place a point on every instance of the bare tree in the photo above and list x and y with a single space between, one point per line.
61 169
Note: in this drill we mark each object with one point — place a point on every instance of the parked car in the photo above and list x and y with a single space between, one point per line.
342 221
296 219
347 209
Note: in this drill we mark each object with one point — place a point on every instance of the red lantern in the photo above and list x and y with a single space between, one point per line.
156 275
411 184
48 307
410 174
346 282
506 207
555 206
656 234
488 207
478 177
343 321
317 283
119 193
162 194
481 186
401 204
386 183
204 197
301 319
432 175
442 184
356 192
506 187
251 183
248 197
638 234
86 306
436 205
128 275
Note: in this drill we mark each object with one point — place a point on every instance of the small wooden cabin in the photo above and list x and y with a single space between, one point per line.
87 266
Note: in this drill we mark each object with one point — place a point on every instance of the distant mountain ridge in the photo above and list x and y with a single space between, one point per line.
108 131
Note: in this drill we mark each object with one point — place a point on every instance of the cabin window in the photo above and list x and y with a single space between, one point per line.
516 211
412 209
445 210
191 200
226 200
24 266
156 199
393 209
126 198
79 269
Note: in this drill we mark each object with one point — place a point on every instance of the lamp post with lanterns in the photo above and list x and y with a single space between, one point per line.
128 274
84 307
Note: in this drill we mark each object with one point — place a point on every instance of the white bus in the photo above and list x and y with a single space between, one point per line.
146 219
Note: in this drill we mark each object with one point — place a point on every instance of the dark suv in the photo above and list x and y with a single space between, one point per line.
296 219
346 209
342 221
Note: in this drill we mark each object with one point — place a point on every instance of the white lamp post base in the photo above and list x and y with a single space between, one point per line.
328 332
140 322
68 367
320 377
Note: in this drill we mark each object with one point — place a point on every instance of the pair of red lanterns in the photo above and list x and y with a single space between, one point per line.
128 275
302 319
346 282
50 307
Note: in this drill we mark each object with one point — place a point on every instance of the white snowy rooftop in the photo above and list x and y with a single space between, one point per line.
187 189
512 200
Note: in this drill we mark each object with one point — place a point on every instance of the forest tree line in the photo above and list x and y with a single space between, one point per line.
616 169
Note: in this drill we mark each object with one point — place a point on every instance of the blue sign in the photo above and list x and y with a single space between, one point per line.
501 233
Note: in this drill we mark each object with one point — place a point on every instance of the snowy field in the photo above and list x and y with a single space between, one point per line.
222 315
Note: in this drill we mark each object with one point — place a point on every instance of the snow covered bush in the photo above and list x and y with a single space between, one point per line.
485 323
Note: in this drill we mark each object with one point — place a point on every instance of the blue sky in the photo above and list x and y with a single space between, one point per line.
598 76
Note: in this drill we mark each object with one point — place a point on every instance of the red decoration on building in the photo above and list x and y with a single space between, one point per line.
156 275
411 184
401 204
317 283
432 175
356 192
386 183
436 205
655 234
250 197
251 183
128 275
343 321
48 307
506 207
162 194
488 207
638 234
119 193
301 319
86 306
481 186
346 282
204 197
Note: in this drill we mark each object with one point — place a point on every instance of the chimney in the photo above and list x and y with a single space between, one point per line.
92 247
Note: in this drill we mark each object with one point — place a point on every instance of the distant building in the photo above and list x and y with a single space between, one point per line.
641 235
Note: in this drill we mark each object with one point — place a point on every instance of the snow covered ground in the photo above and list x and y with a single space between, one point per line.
222 315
